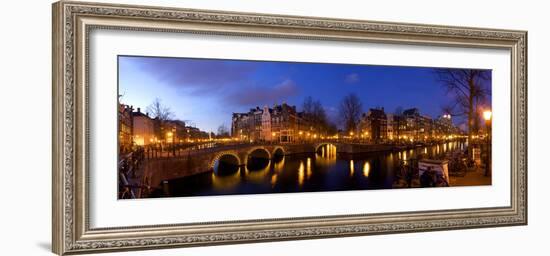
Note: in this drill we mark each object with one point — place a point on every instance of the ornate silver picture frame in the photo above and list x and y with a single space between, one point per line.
72 24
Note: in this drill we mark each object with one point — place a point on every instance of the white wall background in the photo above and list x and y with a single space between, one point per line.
25 143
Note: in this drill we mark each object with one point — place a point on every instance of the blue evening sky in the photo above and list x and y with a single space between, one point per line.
205 92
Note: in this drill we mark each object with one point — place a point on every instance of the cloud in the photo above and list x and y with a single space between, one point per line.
195 75
260 96
352 78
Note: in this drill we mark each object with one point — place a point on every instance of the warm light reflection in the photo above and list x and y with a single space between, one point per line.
279 166
226 181
327 156
257 176
273 180
301 173
308 167
366 169
351 167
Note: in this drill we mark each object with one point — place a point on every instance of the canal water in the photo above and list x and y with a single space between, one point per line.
326 170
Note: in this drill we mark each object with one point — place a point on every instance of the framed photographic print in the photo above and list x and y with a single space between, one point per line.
178 127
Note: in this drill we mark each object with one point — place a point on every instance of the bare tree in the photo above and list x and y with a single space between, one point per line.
160 113
307 106
315 113
319 113
350 111
469 90
223 131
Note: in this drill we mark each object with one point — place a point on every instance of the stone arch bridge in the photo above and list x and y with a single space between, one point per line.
240 156
204 160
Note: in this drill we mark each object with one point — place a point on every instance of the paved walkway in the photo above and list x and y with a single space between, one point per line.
474 178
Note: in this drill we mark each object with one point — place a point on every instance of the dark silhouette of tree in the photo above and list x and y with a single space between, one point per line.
469 91
160 115
159 111
223 131
350 112
316 115
307 106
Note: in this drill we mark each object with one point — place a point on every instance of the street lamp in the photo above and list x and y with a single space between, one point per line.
172 134
487 115
273 134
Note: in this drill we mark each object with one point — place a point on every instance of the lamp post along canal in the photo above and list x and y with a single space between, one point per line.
487 115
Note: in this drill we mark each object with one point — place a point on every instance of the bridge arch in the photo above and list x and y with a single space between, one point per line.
229 156
257 152
278 154
278 151
260 152
319 145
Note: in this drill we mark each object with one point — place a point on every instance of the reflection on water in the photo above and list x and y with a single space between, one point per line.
225 181
326 155
323 171
308 168
366 169
301 174
257 175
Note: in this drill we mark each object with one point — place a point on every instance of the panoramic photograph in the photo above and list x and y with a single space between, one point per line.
213 127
